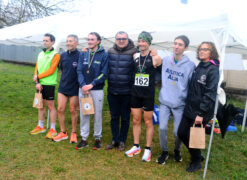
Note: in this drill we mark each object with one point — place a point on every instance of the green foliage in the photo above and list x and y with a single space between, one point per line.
23 156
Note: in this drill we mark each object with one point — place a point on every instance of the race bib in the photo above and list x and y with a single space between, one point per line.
142 80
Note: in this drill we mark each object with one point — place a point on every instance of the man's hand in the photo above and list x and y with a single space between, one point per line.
198 120
35 78
85 49
39 87
87 88
153 52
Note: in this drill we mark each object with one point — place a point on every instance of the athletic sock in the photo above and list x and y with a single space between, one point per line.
137 145
41 124
53 126
149 148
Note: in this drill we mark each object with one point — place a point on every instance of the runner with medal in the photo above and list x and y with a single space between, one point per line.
143 92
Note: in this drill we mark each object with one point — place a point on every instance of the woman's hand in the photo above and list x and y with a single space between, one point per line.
198 120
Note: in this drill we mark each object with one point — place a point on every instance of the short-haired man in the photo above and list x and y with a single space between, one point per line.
120 72
68 88
177 70
46 80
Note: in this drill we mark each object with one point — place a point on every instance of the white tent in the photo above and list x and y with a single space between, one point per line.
216 29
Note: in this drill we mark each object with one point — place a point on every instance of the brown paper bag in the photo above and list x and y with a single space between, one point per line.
197 137
87 105
38 100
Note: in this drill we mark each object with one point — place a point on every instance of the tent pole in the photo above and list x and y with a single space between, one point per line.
244 120
211 136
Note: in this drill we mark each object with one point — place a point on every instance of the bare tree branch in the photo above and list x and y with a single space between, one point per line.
19 11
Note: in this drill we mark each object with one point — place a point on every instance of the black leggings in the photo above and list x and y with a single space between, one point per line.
184 135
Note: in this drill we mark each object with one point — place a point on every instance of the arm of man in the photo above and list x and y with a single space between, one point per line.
103 74
51 70
35 77
81 79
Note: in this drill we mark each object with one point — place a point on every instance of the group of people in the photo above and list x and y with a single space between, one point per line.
187 92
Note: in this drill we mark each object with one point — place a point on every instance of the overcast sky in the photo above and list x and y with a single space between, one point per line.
170 10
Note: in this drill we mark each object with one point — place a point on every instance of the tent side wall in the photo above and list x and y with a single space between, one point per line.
22 54
236 79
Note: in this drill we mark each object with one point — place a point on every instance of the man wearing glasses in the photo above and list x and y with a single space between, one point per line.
120 73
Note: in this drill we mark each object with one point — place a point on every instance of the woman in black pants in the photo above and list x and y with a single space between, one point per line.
199 108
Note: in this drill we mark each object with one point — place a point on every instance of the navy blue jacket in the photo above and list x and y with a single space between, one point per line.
97 71
68 64
121 69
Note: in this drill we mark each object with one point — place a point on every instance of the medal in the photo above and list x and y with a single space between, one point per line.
90 61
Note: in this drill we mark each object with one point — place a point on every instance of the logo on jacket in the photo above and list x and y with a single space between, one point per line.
74 64
202 79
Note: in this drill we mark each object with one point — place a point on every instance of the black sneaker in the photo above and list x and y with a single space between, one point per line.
97 144
163 157
82 144
177 156
112 145
121 146
194 166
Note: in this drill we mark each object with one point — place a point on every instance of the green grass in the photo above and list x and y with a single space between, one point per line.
23 156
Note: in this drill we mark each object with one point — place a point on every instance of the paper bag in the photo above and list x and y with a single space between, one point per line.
38 100
87 105
197 137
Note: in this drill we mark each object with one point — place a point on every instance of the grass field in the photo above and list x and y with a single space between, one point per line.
23 156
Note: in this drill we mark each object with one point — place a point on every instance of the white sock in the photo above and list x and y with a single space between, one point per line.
53 126
41 123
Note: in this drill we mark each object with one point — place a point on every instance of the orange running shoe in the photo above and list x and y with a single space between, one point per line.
51 134
61 136
37 130
73 137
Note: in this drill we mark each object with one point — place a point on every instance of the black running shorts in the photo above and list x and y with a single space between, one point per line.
48 92
147 104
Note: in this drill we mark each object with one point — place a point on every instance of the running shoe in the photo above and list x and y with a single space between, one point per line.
177 156
133 151
147 155
162 158
82 144
73 137
61 136
37 130
51 133
97 144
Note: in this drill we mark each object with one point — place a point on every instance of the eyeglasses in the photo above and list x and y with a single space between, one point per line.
121 39
204 49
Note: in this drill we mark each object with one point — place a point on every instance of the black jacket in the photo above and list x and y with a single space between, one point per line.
202 91
120 69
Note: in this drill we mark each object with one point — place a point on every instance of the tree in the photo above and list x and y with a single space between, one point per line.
19 11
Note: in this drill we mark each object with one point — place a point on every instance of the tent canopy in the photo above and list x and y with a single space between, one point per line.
163 32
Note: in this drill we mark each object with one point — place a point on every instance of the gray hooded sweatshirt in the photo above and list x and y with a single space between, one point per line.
175 79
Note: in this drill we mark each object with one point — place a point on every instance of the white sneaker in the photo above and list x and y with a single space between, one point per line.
133 151
146 156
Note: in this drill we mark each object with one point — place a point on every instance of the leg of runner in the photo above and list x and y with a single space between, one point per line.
53 116
61 100
137 115
73 106
149 127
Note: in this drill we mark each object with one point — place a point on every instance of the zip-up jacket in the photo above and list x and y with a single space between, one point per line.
97 72
202 91
121 68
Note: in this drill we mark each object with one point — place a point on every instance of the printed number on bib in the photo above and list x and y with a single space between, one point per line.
142 79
